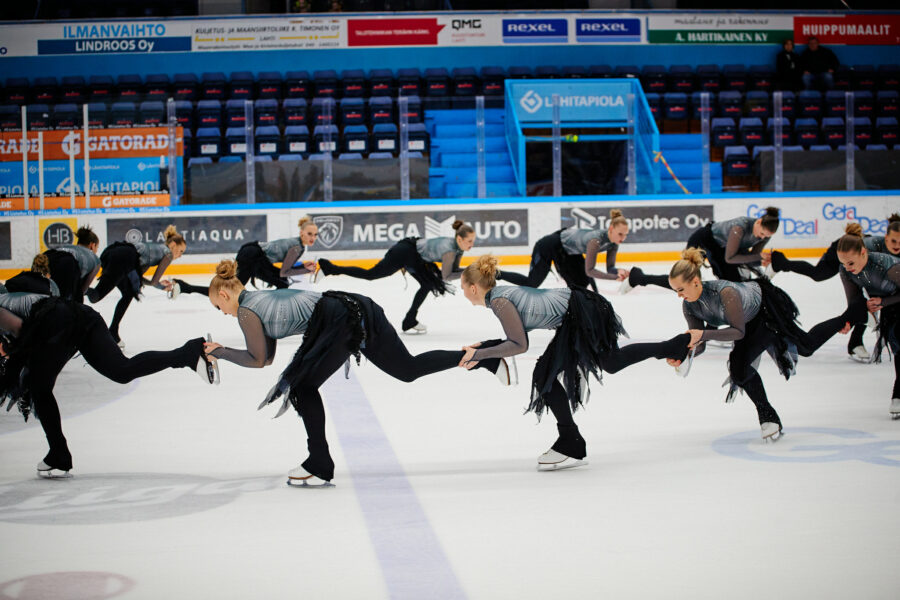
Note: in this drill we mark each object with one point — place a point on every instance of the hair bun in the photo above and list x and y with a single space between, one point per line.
615 213
304 220
693 255
457 224
894 218
227 269
854 229
771 211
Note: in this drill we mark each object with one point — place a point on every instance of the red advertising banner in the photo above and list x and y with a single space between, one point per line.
136 142
98 201
857 30
393 32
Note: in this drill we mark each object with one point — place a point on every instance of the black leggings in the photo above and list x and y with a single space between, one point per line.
756 339
64 270
402 255
387 352
120 263
252 263
101 352
547 251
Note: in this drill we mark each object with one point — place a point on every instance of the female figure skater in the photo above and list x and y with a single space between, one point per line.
876 276
418 256
74 267
256 260
829 266
585 343
732 248
574 251
46 333
124 265
337 325
757 317
35 281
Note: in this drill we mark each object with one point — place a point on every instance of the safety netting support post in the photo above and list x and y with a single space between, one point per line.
24 158
704 138
70 150
172 172
249 162
479 146
778 141
87 156
850 141
403 110
330 144
557 149
631 150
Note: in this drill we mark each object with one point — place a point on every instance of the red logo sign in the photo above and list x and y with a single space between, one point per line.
868 30
393 32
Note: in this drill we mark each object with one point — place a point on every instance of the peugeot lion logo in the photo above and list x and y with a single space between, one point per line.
531 102
330 229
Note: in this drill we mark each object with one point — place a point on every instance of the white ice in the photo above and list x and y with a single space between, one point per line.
179 488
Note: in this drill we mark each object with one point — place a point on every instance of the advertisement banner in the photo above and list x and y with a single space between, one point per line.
578 101
646 224
91 38
56 232
222 234
131 201
719 28
266 34
607 31
536 31
869 30
381 230
393 32
108 176
823 219
133 142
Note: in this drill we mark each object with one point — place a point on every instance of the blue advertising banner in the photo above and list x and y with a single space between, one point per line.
535 31
114 45
582 101
116 176
605 31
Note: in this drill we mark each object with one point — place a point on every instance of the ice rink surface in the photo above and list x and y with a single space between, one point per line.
179 488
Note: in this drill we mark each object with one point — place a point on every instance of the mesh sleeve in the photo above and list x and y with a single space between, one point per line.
516 338
851 290
160 269
894 275
290 259
450 266
590 261
90 279
260 348
733 255
10 322
694 323
734 314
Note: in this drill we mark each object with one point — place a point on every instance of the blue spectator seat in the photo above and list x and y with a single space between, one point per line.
318 156
265 112
290 157
353 83
413 110
231 158
886 131
821 148
465 81
235 113
875 147
809 104
863 104
574 72
492 79
654 101
887 103
156 87
294 110
98 116
834 131
263 158
889 77
419 140
325 83
16 90
324 111
842 78
680 79
352 111
835 103
122 114
184 113
864 77
380 155
734 78
350 156
697 105
546 72
736 161
786 130
862 131
723 131
129 87
267 140
381 110
750 131
10 118
213 86
437 87
296 84
355 139
381 82
72 89
151 113
758 104
269 85
185 86
325 138
296 139
235 141
709 78
731 104
757 150
384 137
64 116
627 71
762 78
806 132
788 105
208 142
675 106
241 85
44 90
519 72
209 114
653 78
199 160
102 88
600 71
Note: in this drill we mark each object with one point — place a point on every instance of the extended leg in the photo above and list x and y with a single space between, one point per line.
625 356
187 288
388 353
537 272
121 307
411 318
569 443
396 258
43 371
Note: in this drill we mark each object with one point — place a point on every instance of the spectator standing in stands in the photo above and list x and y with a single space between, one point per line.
787 67
818 65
